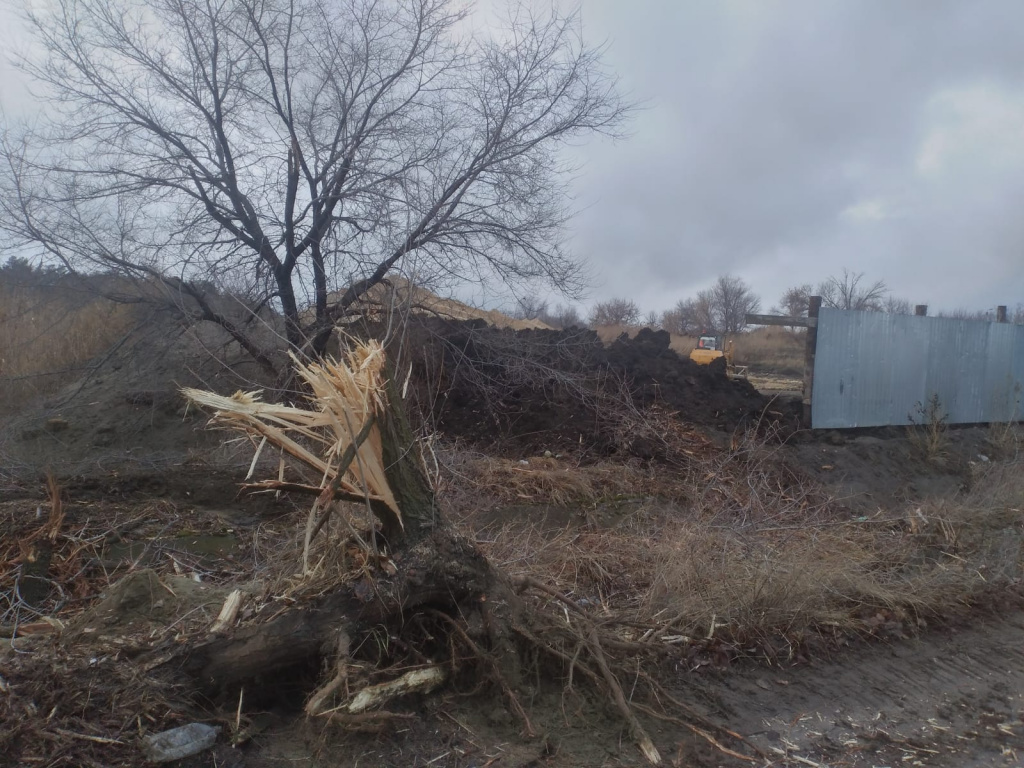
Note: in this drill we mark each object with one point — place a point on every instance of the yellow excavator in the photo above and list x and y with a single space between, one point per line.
710 348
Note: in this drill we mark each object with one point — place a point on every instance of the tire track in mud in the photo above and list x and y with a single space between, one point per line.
953 697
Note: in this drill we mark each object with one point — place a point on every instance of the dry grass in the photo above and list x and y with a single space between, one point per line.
541 480
48 334
770 350
744 554
1006 439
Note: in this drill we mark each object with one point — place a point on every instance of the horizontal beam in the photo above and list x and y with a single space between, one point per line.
788 320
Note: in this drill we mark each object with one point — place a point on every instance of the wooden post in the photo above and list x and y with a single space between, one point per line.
1001 313
921 310
810 351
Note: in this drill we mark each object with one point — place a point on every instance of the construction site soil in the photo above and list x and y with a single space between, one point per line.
148 493
538 390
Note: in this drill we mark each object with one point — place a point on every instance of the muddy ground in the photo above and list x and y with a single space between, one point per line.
149 494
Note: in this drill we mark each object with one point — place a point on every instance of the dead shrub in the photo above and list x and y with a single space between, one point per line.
928 430
1005 439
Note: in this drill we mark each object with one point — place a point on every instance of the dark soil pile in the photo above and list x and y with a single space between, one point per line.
553 390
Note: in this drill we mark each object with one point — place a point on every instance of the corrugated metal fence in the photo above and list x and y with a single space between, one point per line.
873 369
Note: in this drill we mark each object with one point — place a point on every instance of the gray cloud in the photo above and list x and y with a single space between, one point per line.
784 140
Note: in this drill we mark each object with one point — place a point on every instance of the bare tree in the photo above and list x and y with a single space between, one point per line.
796 300
302 150
733 300
691 317
564 317
615 312
651 320
561 316
849 291
671 320
722 308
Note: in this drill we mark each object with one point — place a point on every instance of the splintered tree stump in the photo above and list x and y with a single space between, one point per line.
433 567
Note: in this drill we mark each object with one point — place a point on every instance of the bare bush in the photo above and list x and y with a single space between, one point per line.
615 312
690 317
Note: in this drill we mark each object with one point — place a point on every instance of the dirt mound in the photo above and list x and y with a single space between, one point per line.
552 390
398 293
534 389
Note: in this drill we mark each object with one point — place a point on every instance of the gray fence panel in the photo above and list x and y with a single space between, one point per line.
874 369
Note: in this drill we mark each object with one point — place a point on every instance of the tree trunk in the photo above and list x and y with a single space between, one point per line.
404 469
289 308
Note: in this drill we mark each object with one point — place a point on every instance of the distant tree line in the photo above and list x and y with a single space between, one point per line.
723 307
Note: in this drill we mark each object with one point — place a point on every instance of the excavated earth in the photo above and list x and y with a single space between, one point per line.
536 390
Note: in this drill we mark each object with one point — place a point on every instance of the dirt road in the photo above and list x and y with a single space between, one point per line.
954 697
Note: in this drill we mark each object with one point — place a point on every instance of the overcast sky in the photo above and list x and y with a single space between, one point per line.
783 140
786 139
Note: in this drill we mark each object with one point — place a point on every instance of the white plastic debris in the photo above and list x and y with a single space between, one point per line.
180 742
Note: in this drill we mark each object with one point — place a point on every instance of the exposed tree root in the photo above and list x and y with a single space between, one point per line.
315 705
593 639
369 722
636 730
495 672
